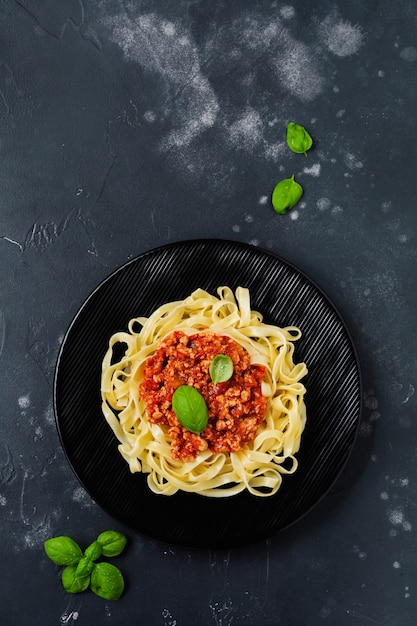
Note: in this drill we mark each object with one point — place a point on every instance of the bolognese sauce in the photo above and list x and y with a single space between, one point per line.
236 407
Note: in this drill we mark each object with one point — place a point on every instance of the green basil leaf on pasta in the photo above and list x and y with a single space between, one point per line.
286 195
112 542
190 408
63 550
298 139
107 581
221 368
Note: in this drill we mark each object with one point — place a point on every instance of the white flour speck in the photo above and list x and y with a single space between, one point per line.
403 238
149 116
287 12
323 204
294 215
297 69
396 517
340 37
381 73
24 402
409 54
396 565
352 162
236 228
263 199
314 170
3 501
246 132
384 495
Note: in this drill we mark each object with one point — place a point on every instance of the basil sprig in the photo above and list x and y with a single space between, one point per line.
298 139
82 571
190 408
221 368
286 195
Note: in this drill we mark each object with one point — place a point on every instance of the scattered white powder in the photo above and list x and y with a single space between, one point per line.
3 501
294 214
403 238
236 228
340 37
287 12
340 113
246 131
409 54
24 402
263 199
381 73
396 517
323 204
82 497
384 496
396 565
275 150
297 69
167 49
314 170
352 162
149 117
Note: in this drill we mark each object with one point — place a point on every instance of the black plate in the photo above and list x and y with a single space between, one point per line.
285 296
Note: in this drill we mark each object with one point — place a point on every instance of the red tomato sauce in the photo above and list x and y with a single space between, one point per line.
235 407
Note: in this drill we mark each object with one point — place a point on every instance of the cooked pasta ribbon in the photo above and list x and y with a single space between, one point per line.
261 463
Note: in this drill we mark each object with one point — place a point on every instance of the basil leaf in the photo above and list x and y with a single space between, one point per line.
73 583
286 195
84 568
190 408
107 581
298 139
63 550
112 543
94 551
221 368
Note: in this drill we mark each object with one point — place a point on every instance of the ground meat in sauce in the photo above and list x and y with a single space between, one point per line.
236 407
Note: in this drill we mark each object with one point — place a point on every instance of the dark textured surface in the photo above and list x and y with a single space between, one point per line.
126 126
285 297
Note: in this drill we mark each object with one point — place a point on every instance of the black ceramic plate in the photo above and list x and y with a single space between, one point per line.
285 296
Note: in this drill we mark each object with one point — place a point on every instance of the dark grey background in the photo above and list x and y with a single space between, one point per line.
127 125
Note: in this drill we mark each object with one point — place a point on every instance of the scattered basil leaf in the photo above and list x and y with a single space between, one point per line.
112 543
63 550
84 568
73 583
80 571
93 551
221 368
107 581
190 408
298 139
286 195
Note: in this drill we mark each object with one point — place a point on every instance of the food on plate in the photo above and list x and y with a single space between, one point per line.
205 397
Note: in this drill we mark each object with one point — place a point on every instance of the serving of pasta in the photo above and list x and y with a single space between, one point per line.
254 419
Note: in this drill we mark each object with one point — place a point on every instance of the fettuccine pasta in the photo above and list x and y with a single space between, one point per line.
259 465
